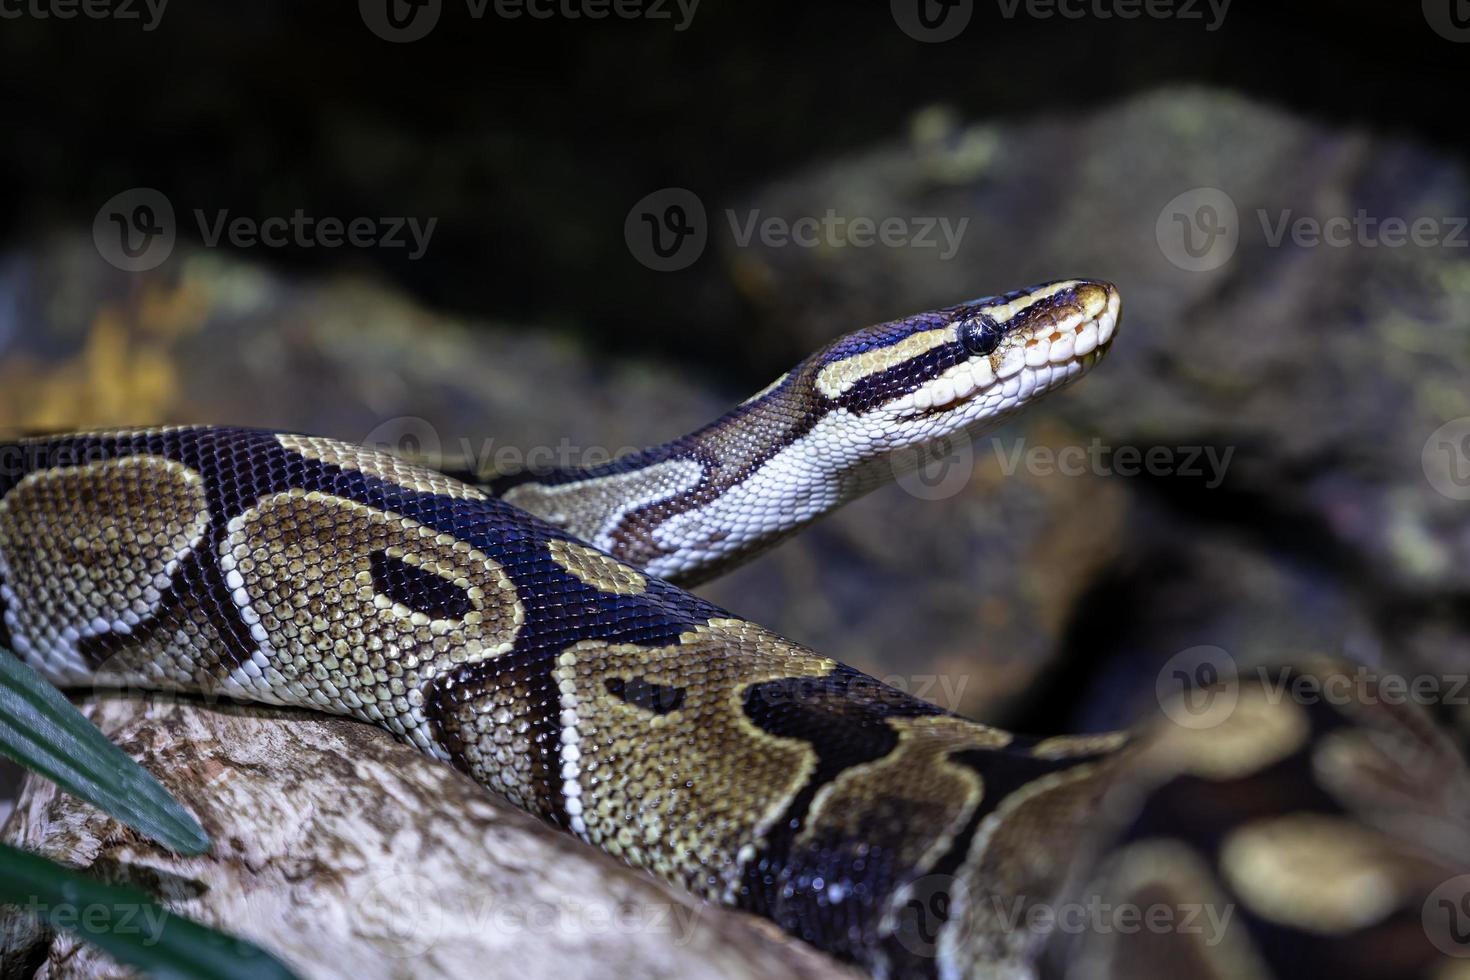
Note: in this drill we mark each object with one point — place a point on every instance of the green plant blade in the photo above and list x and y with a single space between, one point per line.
40 729
127 924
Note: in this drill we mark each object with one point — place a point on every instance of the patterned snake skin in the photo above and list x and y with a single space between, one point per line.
547 658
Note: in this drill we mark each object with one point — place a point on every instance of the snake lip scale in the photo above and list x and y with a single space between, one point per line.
532 629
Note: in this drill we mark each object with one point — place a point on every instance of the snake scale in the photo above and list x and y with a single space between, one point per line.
531 630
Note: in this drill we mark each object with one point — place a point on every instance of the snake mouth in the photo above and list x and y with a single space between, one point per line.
1034 360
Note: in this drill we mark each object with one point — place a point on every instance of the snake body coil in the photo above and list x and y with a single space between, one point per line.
548 658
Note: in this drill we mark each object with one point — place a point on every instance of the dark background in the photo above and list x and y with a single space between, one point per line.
530 139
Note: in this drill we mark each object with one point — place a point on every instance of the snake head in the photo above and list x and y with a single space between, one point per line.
913 381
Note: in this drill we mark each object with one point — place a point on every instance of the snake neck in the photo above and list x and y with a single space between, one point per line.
692 507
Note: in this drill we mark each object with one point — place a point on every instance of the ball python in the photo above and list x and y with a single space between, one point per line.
531 630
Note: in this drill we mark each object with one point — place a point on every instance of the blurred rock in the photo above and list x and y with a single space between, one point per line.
1322 369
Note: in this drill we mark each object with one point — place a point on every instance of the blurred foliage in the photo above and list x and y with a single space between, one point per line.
40 729
128 925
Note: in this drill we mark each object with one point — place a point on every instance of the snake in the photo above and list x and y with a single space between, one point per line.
534 630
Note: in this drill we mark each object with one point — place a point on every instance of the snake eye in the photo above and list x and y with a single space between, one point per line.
980 334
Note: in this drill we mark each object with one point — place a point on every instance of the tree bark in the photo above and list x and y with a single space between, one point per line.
346 853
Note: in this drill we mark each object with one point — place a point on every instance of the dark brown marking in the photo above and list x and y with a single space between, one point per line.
418 588
661 699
